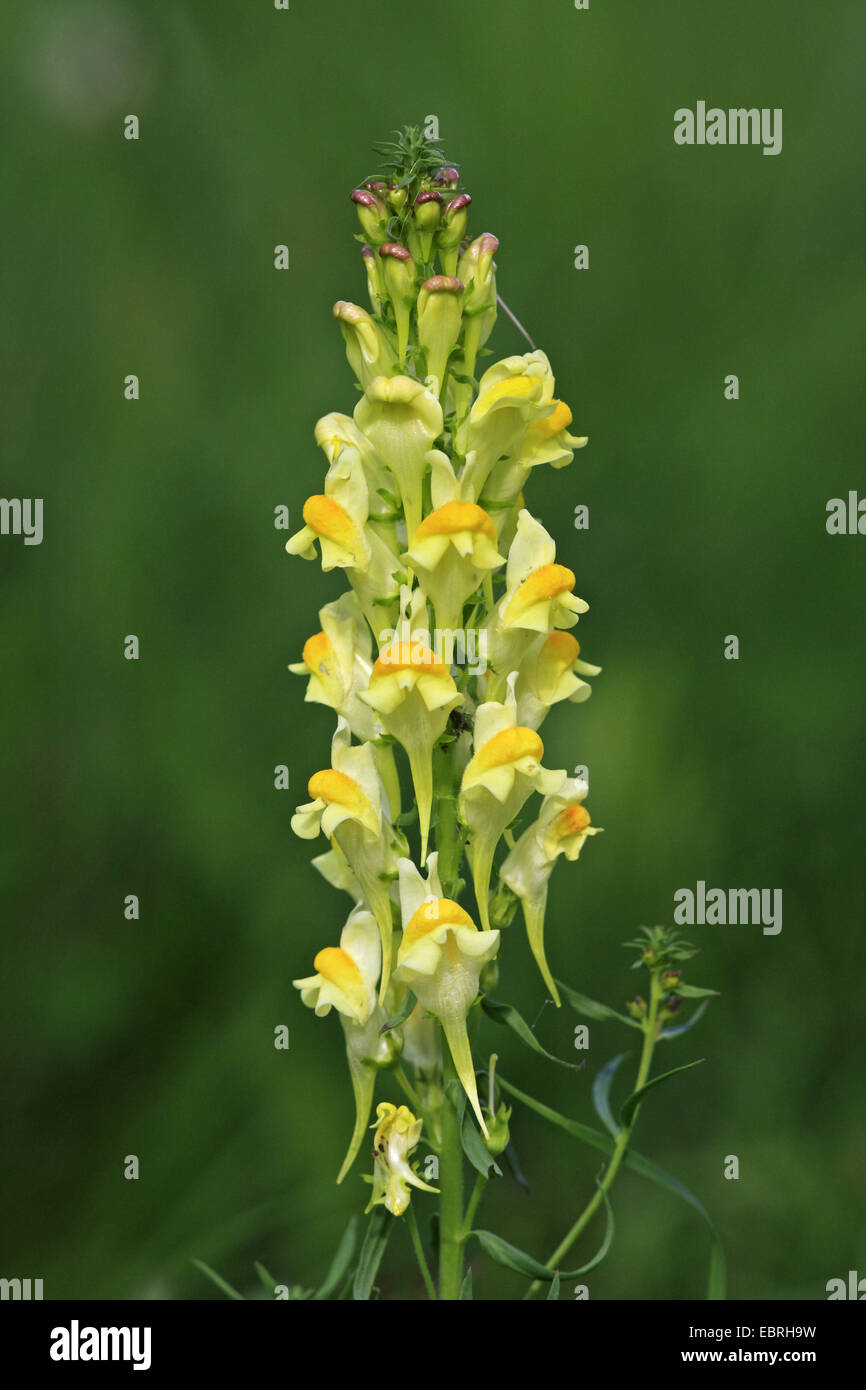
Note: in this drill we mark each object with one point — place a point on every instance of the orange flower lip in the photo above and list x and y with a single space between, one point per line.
572 821
558 420
318 654
452 517
327 518
441 912
508 746
333 786
337 966
408 656
543 584
561 647
558 654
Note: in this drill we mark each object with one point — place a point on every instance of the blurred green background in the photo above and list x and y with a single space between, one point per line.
706 518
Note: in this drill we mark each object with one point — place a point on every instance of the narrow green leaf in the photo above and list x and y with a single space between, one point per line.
512 1258
607 1240
340 1264
601 1093
267 1281
505 1014
514 1164
585 1133
694 992
717 1282
647 1169
508 1255
554 1288
217 1279
372 1250
680 1028
626 1114
470 1139
402 1013
466 1286
591 1008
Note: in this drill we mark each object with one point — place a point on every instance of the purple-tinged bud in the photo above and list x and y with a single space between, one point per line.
426 215
440 317
400 279
427 210
452 231
447 177
372 214
369 349
397 198
476 269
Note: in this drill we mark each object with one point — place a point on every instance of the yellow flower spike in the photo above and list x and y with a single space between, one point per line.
547 675
414 694
370 351
337 661
545 441
538 598
344 446
511 395
397 1134
350 808
562 827
440 958
337 520
452 550
345 980
402 419
529 605
502 774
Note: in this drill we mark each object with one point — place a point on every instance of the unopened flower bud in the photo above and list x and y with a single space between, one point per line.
440 315
477 271
372 214
671 979
499 1135
375 288
452 230
447 177
400 279
637 1008
369 350
426 216
397 198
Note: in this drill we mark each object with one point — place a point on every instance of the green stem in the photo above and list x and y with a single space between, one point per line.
419 1252
450 1194
416 1103
477 1194
449 843
651 1029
